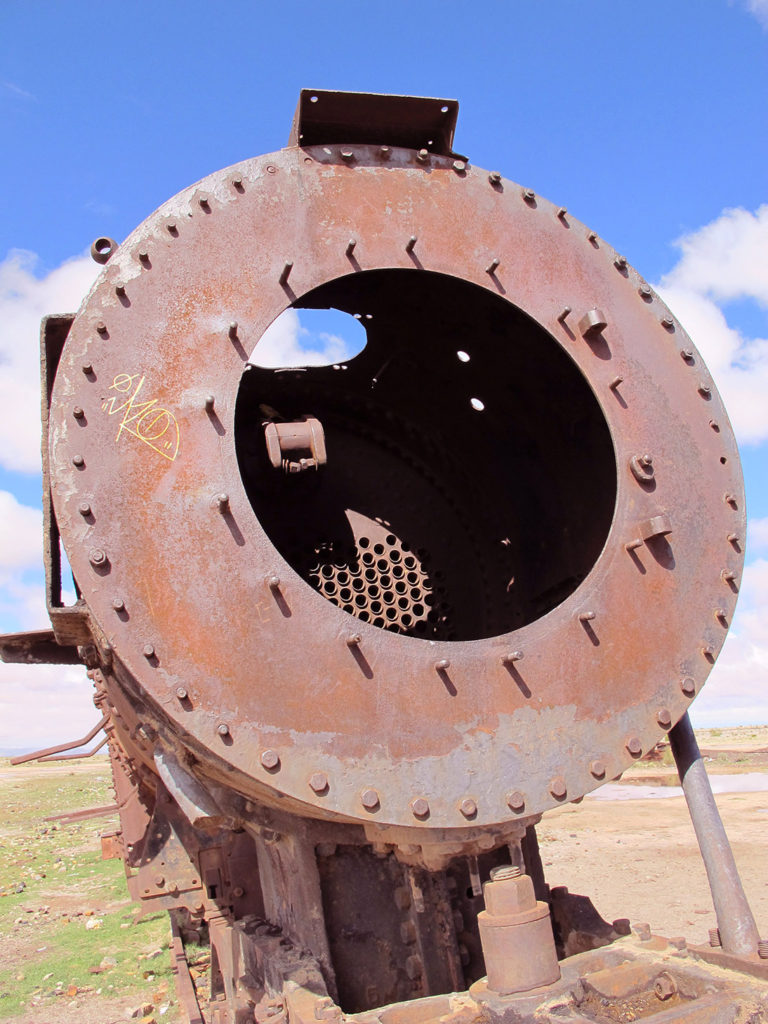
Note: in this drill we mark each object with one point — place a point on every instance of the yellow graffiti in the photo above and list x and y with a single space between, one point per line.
143 418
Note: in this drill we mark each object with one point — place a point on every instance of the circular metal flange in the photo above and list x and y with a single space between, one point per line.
224 616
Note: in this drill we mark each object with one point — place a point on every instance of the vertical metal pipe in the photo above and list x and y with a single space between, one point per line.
738 931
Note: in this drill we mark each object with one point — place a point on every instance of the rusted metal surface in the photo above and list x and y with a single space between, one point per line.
353 628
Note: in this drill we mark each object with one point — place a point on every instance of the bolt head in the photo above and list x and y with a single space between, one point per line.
597 768
84 508
354 640
468 807
420 807
557 788
78 460
273 582
688 686
270 759
495 178
516 800
459 166
97 556
120 287
87 368
149 651
423 155
78 412
181 693
118 604
101 327
369 799
318 782
442 665
222 500
528 194
203 200
238 891
634 746
159 880
512 657
222 729
664 718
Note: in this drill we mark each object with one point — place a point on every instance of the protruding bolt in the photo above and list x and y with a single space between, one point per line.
204 200
668 323
665 986
222 501
562 316
385 152
233 328
515 800
87 369
143 256
318 782
708 652
419 807
620 262
636 542
210 401
592 237
528 195
84 508
101 327
148 651
369 799
422 156
688 686
721 615
238 891
686 354
664 718
351 246
734 538
762 949
634 746
493 266
97 556
78 460
159 881
237 181
222 729
120 287
172 227
468 807
78 412
495 178
273 582
285 273
459 166
586 616
561 212
181 693
118 604
715 426
597 768
347 156
270 759
410 244
615 383
558 788
730 499
354 639
512 657
645 290
727 576
503 872
714 937
705 389
442 665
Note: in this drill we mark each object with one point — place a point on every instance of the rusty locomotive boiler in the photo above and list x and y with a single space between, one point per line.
353 629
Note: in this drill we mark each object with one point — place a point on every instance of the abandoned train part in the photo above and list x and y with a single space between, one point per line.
354 628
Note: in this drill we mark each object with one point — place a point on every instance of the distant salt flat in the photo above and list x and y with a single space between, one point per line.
749 782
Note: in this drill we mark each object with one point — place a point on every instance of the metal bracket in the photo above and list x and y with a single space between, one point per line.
296 446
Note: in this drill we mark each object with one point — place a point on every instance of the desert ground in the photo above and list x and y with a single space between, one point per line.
75 948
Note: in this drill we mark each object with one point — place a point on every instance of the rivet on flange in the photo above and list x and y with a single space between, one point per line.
144 257
468 807
369 799
78 460
84 508
422 156
120 287
385 152
78 412
494 177
181 693
558 788
419 807
730 499
592 237
101 327
597 769
270 759
688 686
528 195
148 651
645 291
318 782
664 718
347 156
515 800
727 576
734 539
459 166
222 729
87 369
620 262
118 604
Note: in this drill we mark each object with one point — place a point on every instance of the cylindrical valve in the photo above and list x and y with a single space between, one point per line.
516 934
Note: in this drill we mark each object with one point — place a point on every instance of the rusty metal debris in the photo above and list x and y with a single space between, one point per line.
354 628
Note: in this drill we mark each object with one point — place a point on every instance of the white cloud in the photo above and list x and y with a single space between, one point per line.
760 10
757 536
44 704
737 690
721 262
24 300
21 537
287 343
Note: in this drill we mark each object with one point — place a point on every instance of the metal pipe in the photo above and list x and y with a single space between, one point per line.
738 931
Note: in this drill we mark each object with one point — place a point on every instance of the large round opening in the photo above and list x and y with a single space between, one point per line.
470 479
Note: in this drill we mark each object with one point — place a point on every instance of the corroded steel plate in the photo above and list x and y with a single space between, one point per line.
181 581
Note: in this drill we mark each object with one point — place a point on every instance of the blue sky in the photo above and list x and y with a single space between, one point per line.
647 121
